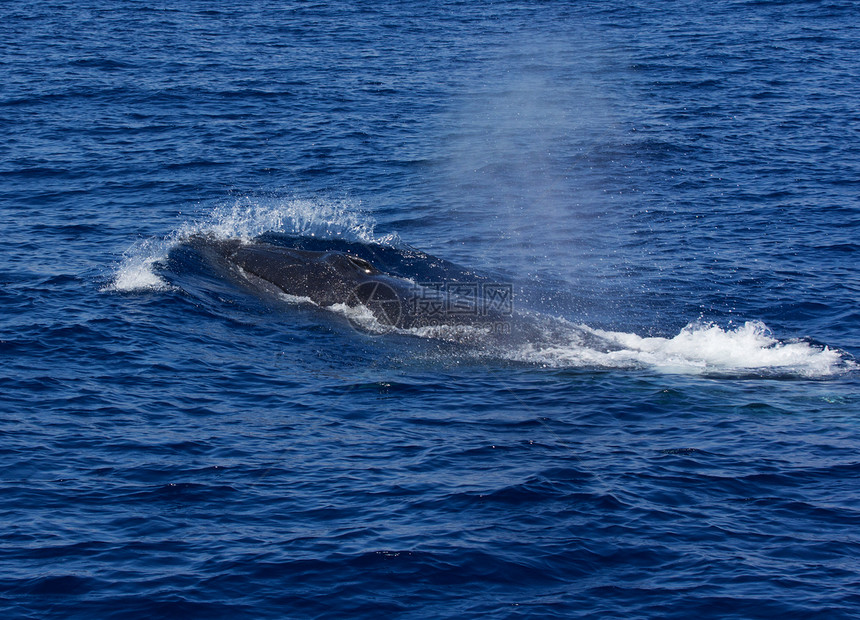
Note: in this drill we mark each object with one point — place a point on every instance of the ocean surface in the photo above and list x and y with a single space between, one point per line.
667 426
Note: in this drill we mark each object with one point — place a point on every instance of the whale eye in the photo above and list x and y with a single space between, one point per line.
360 263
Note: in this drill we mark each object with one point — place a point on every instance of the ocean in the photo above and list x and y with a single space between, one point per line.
661 197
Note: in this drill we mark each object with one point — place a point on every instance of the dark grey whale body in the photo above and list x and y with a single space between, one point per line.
334 277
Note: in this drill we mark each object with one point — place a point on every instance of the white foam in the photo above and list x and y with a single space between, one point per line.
298 300
696 349
363 318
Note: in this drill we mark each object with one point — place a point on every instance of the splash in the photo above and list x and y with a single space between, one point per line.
135 271
703 349
245 218
250 216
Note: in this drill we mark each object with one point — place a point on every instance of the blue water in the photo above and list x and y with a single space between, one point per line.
670 191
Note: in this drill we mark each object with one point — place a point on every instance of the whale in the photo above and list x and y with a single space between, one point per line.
337 279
